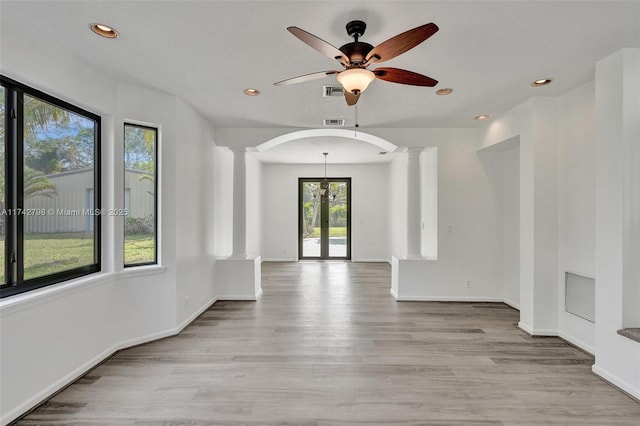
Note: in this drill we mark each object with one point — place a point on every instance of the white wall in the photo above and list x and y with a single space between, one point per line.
502 167
193 220
576 204
469 244
369 216
53 335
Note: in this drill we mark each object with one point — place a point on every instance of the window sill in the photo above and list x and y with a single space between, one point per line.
630 333
141 271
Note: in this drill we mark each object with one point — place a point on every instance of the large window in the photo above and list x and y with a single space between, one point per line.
49 190
140 199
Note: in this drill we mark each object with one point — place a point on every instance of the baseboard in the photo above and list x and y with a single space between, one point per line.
540 332
616 381
578 343
195 315
240 297
447 299
145 339
555 333
524 327
511 303
545 332
393 294
232 297
370 260
278 259
70 378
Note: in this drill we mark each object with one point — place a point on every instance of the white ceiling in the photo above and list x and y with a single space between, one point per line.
207 52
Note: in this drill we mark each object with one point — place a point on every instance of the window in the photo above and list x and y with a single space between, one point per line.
140 199
49 190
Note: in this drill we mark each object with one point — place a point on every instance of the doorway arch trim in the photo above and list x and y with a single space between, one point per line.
314 133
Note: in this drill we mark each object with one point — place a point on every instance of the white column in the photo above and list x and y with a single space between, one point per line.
239 204
414 204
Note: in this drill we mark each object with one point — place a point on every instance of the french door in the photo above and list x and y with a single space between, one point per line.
324 230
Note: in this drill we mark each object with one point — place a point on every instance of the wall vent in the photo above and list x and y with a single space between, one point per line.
333 122
329 91
580 296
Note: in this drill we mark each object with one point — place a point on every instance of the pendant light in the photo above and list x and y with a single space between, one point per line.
324 185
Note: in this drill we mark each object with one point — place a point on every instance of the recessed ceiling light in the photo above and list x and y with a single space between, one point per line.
481 117
443 92
251 92
104 30
541 82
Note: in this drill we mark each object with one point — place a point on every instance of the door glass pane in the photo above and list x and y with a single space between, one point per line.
311 212
338 219
2 180
59 152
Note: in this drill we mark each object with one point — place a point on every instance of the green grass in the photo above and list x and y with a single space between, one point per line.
46 254
139 248
335 231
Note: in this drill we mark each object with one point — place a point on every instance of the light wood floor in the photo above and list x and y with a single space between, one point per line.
327 345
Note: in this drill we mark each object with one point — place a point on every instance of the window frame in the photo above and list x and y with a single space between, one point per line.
14 190
156 145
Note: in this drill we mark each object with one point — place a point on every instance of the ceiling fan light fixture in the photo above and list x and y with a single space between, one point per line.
356 80
104 30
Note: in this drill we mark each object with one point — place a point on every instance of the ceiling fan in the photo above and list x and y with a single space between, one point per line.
356 56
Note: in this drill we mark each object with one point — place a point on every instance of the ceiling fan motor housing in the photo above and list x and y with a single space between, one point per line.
356 51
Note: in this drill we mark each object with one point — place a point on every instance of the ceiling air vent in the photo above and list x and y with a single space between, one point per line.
328 91
334 122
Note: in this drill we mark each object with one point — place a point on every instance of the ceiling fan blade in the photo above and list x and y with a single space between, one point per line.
351 98
397 75
401 43
306 77
319 44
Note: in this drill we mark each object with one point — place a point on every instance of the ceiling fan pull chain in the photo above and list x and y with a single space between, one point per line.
355 128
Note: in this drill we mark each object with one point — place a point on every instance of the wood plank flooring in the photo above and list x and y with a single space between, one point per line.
327 345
